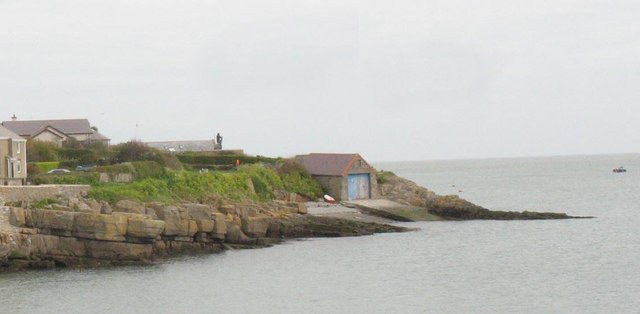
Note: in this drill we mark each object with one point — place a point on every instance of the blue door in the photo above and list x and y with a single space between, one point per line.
359 186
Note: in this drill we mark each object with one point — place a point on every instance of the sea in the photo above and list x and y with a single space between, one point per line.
552 266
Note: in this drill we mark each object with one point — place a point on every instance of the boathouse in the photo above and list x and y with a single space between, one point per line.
343 176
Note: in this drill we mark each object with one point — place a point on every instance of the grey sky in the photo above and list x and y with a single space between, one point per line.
393 80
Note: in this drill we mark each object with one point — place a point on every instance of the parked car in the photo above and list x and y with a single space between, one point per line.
85 167
58 171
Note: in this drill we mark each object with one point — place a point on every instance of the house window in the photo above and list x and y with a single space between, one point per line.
18 147
19 166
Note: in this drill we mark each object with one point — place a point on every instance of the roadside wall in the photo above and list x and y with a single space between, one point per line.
40 192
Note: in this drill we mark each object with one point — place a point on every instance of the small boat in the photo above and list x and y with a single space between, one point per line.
329 199
619 169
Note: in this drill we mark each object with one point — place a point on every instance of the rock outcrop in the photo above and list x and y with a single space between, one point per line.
450 207
79 233
454 208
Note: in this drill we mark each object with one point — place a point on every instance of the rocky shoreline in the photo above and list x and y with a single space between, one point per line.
86 233
449 207
78 232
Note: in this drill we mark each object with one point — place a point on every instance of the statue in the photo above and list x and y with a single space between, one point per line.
217 144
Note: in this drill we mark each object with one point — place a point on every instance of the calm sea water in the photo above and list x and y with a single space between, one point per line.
567 266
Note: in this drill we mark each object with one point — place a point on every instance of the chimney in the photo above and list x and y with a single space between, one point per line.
14 118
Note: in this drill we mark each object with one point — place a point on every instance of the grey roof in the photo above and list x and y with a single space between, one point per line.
4 132
97 136
29 128
328 164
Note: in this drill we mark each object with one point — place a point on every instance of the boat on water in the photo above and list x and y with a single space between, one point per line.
619 169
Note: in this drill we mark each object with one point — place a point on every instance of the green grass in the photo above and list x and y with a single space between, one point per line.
43 203
67 178
303 185
45 166
183 185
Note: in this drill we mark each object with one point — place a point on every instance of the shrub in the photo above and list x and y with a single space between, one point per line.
297 179
45 166
222 159
136 151
32 170
67 178
170 161
69 164
43 203
41 151
383 176
147 169
291 166
146 190
197 186
265 181
124 167
36 168
297 183
78 155
159 185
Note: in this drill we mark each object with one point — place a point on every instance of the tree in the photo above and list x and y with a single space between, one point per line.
136 151
38 151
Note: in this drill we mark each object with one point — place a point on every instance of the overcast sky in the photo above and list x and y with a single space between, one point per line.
392 80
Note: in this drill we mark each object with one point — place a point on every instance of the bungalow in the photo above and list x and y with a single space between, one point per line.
13 158
184 146
56 131
344 176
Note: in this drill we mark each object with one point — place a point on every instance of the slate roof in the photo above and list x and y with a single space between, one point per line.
29 128
6 133
97 136
328 164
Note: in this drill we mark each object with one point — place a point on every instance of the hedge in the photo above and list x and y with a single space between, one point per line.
140 169
45 166
67 178
190 158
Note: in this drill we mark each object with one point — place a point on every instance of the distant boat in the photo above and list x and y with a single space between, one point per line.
619 169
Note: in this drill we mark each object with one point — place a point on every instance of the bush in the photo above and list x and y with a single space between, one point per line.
43 203
78 155
41 151
220 159
67 178
125 167
198 186
297 179
297 183
383 176
145 191
158 185
170 161
136 151
292 166
147 169
32 170
45 166
265 181
35 168
69 164
140 169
